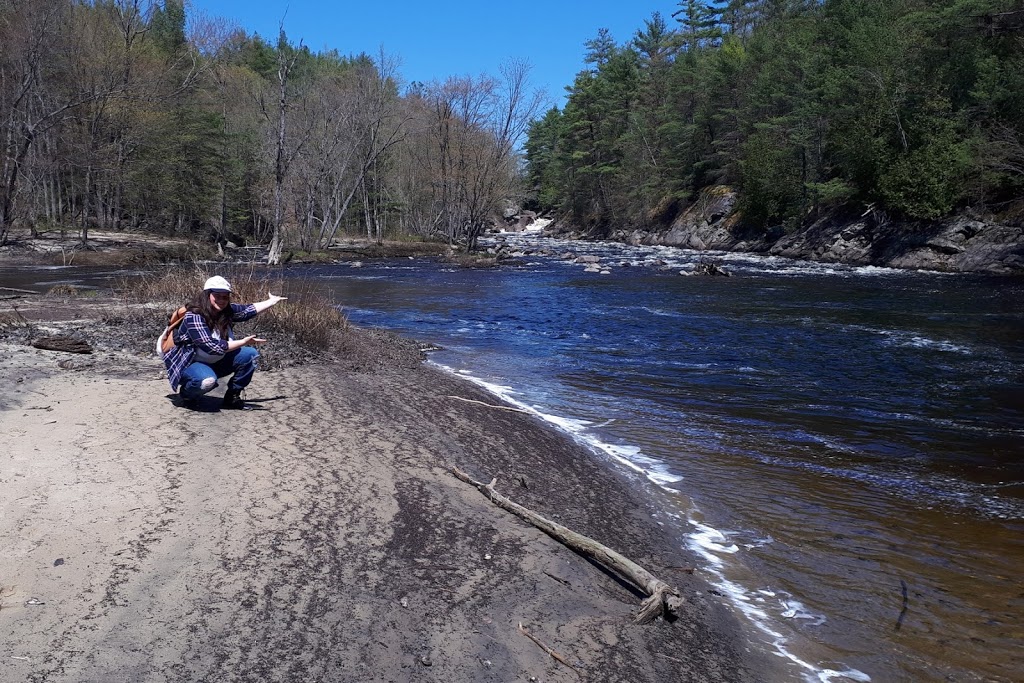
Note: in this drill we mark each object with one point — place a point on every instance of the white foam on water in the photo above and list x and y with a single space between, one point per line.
831 444
794 609
630 456
680 259
691 366
659 312
909 339
709 543
538 226
760 606
925 343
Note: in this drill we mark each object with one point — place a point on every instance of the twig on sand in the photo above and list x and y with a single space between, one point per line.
662 600
489 405
559 579
547 649
906 602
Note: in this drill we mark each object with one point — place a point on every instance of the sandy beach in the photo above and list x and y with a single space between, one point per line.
320 536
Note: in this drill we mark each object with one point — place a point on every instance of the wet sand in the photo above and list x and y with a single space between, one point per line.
320 537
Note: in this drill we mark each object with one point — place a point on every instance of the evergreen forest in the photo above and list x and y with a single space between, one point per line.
913 106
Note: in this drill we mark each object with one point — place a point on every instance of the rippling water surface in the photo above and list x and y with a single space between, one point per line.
842 447
834 434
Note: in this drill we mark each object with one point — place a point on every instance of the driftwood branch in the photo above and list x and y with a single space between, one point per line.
489 405
906 603
555 655
662 599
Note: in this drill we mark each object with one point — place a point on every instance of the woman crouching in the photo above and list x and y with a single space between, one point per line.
205 348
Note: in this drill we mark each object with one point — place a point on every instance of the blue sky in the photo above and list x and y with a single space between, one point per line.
446 38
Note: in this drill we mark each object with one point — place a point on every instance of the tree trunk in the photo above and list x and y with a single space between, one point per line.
7 201
280 161
366 209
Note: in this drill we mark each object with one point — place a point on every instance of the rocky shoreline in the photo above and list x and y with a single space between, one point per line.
861 236
320 537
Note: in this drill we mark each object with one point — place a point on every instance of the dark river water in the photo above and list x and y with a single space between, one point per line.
843 448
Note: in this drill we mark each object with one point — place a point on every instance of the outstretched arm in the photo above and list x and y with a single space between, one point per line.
245 341
270 301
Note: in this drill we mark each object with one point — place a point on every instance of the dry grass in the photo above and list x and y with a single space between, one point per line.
13 321
307 328
180 284
63 290
307 324
312 320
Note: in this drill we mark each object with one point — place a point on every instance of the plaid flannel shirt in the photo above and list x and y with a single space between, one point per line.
194 334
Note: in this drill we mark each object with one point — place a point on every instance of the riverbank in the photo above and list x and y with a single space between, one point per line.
128 249
850 235
320 536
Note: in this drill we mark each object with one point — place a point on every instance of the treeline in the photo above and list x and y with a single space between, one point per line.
916 106
123 114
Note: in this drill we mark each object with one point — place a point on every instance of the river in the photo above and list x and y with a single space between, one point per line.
841 447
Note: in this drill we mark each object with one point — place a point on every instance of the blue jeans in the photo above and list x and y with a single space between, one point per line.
200 378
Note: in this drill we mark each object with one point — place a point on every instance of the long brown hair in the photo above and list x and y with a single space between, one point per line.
215 320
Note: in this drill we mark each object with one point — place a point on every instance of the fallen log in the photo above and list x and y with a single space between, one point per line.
662 600
62 343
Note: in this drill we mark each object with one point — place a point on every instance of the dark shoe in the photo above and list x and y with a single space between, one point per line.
233 400
185 402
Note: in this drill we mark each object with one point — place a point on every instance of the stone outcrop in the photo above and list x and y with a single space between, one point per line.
515 221
707 224
959 243
848 235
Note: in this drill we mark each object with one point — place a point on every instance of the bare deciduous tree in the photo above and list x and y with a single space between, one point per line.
475 127
359 122
34 35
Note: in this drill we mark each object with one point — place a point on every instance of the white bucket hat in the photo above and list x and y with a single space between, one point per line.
217 284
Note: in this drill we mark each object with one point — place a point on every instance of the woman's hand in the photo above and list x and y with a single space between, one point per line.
270 301
245 341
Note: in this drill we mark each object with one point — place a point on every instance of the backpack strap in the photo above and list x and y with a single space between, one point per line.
178 333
